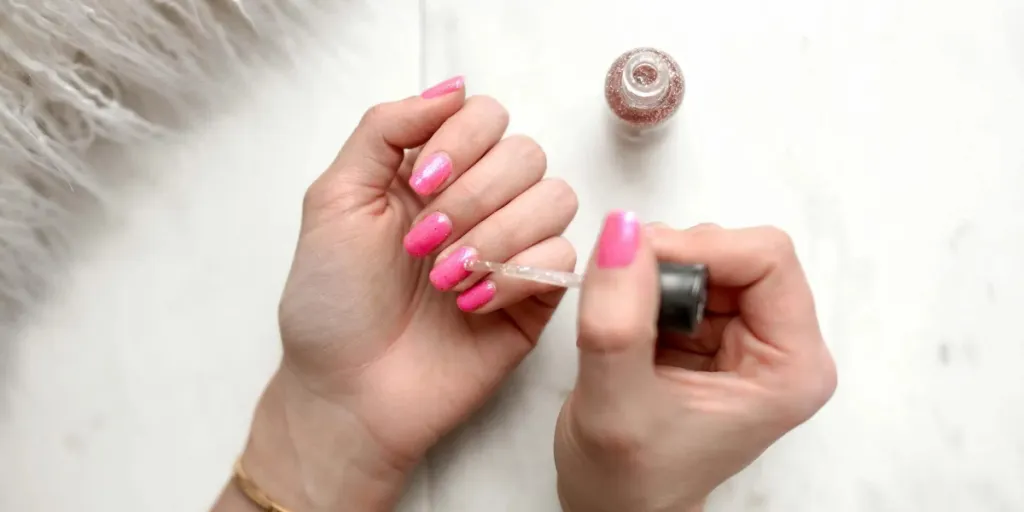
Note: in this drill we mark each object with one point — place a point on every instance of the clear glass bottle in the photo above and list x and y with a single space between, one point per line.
644 89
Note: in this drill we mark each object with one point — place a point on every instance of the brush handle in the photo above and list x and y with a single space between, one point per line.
539 275
683 289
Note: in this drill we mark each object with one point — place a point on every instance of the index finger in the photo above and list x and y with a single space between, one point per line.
374 151
775 300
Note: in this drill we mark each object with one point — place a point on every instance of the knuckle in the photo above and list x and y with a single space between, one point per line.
310 197
373 115
658 233
810 393
611 331
472 193
778 242
564 252
505 227
825 385
328 193
793 412
613 438
571 258
531 155
316 195
563 195
493 108
463 199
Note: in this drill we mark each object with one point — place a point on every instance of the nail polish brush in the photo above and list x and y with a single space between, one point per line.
684 288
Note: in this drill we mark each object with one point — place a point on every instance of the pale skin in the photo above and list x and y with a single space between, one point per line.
388 346
656 422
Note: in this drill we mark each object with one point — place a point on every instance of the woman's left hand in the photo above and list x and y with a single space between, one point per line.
388 342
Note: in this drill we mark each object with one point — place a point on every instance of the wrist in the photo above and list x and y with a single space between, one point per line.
593 502
311 455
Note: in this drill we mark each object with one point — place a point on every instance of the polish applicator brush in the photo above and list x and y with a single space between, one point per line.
683 289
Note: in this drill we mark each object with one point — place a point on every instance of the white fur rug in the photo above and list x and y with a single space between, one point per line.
71 74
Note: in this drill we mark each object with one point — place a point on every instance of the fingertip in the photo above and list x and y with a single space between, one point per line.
619 240
377 146
431 174
477 296
427 234
445 88
451 270
619 299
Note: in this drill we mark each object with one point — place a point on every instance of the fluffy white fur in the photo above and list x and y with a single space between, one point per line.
70 71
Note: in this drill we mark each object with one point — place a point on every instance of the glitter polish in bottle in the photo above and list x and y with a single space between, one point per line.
644 88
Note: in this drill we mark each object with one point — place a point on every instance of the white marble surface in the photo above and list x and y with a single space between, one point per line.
886 136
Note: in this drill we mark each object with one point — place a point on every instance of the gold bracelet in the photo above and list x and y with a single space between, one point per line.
253 491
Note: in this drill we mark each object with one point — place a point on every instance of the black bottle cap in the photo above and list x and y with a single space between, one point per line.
684 293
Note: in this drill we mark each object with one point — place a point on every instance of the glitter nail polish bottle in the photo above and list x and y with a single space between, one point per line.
644 88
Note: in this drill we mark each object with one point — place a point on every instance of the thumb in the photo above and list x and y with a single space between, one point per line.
374 152
618 313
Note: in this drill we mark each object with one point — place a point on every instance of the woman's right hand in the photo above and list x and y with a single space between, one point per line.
656 422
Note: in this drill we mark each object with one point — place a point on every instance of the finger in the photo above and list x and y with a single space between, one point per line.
774 297
508 169
721 300
497 292
656 228
683 359
618 314
372 154
542 212
462 140
528 305
410 159
696 352
706 340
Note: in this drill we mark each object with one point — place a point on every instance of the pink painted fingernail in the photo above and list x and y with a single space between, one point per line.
426 235
477 296
447 87
619 240
431 174
452 270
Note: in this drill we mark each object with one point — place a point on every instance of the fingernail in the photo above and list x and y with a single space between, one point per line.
426 235
431 174
477 296
447 87
620 238
452 270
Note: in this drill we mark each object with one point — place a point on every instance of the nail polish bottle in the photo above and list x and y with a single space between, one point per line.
644 89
